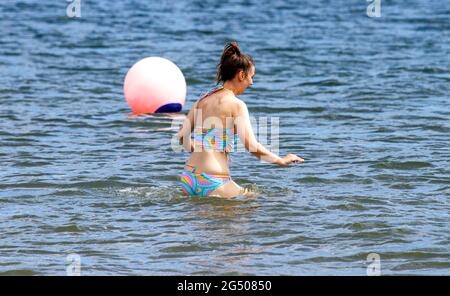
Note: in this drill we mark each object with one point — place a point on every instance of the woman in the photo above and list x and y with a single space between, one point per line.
217 119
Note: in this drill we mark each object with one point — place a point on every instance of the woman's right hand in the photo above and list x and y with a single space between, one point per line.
290 158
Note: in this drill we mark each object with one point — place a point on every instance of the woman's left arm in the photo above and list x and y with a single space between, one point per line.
184 134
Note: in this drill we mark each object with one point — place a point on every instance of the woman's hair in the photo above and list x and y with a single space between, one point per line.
231 62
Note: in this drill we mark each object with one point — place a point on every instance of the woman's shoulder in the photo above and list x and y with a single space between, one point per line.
229 98
238 106
225 100
239 103
232 102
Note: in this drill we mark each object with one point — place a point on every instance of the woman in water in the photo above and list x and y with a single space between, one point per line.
217 118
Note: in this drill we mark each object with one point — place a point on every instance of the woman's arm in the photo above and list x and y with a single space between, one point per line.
184 134
247 137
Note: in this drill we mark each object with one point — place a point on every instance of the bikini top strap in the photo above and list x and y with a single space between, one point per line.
211 92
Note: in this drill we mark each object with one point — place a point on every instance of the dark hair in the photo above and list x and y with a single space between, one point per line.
231 62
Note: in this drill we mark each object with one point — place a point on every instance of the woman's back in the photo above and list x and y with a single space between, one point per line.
213 131
216 110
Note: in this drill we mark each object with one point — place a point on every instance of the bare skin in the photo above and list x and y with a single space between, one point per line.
219 106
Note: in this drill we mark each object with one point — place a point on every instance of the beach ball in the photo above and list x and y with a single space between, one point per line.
155 85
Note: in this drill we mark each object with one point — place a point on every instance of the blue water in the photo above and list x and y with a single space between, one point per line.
363 100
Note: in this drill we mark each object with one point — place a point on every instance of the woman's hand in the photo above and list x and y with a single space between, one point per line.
290 158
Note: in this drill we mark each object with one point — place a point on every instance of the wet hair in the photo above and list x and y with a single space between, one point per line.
231 62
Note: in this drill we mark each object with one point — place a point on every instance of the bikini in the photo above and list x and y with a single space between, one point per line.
196 183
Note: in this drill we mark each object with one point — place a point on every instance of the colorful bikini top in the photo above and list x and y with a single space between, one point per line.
215 139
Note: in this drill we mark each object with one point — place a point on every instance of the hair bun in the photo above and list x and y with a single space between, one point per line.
232 48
